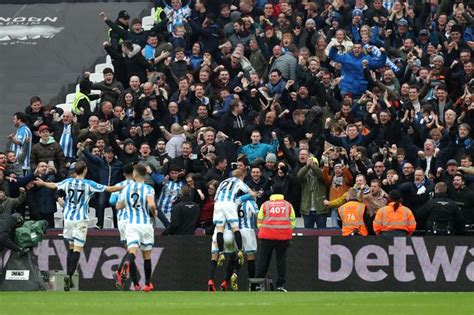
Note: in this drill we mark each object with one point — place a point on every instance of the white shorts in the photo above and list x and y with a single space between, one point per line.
225 212
229 243
140 235
249 241
121 227
75 232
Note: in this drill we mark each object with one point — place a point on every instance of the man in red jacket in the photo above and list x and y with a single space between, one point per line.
276 221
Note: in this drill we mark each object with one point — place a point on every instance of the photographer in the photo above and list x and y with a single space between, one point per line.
8 225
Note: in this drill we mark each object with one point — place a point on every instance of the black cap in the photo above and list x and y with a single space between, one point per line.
128 141
108 149
424 32
123 15
452 162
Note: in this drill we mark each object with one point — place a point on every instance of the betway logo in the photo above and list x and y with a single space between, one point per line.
95 262
371 262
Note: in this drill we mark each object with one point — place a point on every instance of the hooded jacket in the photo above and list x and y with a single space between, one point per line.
352 71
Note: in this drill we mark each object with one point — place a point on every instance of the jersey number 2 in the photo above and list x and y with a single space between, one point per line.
136 197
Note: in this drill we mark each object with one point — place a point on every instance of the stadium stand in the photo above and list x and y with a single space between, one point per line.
378 93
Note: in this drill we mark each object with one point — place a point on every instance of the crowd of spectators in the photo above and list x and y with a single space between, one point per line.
306 97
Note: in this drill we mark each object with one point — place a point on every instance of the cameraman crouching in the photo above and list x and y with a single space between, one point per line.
8 225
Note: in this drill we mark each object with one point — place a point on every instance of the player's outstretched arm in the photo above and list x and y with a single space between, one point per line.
41 183
112 189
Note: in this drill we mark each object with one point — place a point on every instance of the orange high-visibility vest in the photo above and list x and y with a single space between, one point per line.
352 216
387 219
276 223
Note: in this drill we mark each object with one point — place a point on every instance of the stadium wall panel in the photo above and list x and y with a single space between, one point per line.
321 263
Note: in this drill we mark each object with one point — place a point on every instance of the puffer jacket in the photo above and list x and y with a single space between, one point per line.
49 151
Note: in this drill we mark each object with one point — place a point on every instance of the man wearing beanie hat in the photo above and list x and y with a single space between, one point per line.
127 153
456 43
136 35
270 167
271 158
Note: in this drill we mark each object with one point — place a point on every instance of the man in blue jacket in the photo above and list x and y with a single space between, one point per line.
110 173
257 150
352 78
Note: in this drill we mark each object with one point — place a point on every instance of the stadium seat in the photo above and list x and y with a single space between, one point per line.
58 216
152 11
148 22
70 98
101 66
96 77
108 218
299 223
92 213
92 223
329 222
65 107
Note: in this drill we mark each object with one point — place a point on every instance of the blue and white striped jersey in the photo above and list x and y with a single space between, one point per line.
137 209
78 194
23 134
229 189
247 212
66 141
121 214
169 192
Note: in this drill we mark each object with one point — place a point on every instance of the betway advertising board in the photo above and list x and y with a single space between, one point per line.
314 263
395 264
